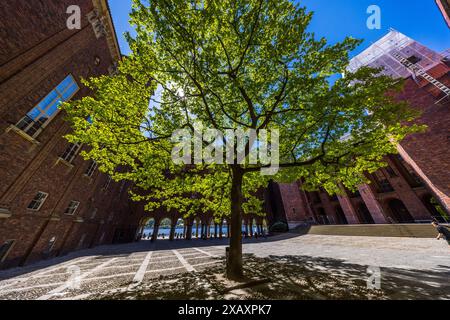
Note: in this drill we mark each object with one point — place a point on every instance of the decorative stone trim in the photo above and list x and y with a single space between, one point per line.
96 20
22 134
64 162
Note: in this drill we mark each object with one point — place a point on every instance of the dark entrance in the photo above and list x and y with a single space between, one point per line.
341 216
399 212
436 210
323 219
364 214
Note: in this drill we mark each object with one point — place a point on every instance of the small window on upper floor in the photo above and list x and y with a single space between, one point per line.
72 208
107 183
38 201
35 120
91 169
71 152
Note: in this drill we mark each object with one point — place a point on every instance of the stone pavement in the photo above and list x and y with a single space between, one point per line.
87 273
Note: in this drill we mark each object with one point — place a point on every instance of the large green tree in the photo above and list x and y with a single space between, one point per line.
235 64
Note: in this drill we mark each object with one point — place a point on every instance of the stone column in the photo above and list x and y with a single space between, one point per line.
376 210
155 231
220 230
172 231
196 229
349 210
406 194
189 232
204 231
436 188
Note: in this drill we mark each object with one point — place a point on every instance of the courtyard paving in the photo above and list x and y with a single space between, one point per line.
310 266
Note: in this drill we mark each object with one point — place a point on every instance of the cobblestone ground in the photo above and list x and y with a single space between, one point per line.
410 268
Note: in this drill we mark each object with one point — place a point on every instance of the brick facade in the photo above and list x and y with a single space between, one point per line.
37 52
415 187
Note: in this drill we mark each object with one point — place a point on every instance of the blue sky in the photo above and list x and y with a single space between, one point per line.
335 19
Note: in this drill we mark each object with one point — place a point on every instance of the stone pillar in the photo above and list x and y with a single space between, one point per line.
172 231
204 231
220 230
251 228
140 233
246 229
349 210
155 231
407 195
189 232
196 229
215 230
440 189
376 210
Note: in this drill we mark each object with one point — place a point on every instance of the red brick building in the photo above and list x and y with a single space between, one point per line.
51 200
415 187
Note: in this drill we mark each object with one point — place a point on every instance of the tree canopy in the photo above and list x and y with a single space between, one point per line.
236 65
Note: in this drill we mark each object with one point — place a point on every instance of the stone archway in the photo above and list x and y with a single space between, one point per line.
148 226
399 212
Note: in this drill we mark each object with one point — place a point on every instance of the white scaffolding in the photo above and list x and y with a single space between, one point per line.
401 57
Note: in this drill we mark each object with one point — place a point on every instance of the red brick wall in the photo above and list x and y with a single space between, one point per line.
426 152
37 51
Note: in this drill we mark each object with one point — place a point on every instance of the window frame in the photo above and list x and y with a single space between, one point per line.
59 95
72 146
71 210
107 183
93 165
34 200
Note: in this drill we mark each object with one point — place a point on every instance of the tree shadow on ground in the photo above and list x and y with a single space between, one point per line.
295 278
123 250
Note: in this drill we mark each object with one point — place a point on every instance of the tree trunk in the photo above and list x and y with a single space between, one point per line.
234 262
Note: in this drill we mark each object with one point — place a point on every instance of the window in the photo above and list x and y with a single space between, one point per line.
35 120
71 152
91 169
73 206
107 183
38 201
5 248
